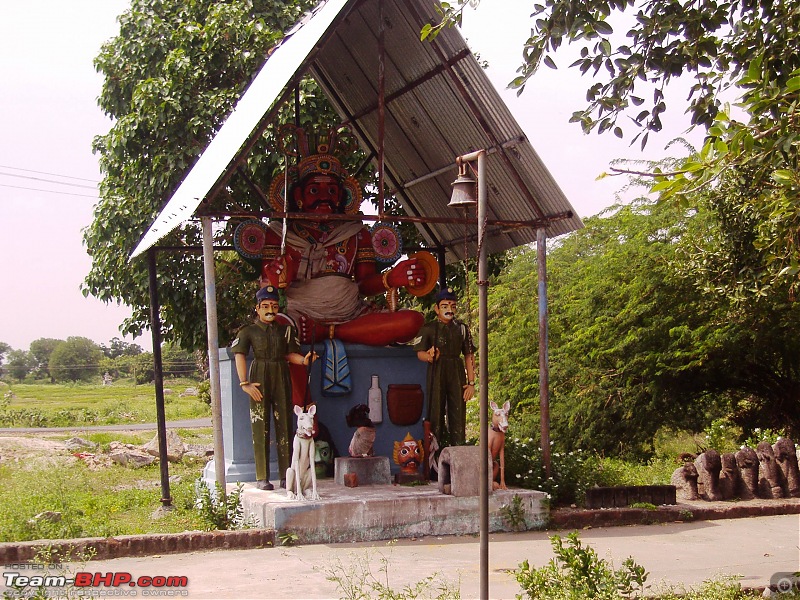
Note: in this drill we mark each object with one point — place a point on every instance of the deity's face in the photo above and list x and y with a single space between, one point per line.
446 310
408 454
267 310
320 194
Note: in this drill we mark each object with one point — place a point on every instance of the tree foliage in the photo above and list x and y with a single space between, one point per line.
742 49
633 50
636 341
18 364
4 349
172 75
76 359
117 347
40 350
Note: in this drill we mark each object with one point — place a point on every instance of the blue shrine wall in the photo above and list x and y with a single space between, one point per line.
392 365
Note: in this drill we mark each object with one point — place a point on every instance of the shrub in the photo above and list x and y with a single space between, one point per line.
759 435
220 511
570 474
577 573
721 435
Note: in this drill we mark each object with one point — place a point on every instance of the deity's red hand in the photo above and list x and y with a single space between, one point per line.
407 273
280 271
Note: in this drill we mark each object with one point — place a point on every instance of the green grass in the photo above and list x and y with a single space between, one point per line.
64 405
109 501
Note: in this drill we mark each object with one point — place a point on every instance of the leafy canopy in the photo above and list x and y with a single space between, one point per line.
638 340
742 49
172 75
76 359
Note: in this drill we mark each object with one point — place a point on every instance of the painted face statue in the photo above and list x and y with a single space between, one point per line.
445 306
408 454
320 194
323 457
267 310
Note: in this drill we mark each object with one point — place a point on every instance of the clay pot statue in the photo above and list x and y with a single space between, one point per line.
786 457
769 474
709 467
685 481
747 461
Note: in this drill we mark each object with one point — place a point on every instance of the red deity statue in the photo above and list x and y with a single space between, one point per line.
327 267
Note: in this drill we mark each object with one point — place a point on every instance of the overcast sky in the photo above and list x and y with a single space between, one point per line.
50 115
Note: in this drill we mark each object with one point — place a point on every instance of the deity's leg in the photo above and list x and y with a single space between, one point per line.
376 329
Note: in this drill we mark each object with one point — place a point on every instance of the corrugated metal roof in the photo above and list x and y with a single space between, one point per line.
439 104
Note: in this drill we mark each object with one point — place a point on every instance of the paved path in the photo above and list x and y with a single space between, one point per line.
185 424
675 554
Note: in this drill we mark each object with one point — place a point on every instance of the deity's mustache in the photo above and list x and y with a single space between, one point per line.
449 315
331 203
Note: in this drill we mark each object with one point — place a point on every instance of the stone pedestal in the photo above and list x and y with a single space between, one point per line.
390 364
459 468
369 470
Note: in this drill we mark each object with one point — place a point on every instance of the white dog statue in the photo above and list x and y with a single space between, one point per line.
303 470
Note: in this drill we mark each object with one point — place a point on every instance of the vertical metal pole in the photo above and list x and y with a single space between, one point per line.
158 377
213 350
544 369
483 344
381 105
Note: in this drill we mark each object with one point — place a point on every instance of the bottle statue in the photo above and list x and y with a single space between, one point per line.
375 401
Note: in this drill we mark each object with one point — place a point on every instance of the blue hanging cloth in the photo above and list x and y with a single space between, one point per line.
336 379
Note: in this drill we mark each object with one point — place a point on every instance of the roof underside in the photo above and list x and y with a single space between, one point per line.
439 104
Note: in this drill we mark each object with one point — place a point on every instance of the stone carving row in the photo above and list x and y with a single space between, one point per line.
769 471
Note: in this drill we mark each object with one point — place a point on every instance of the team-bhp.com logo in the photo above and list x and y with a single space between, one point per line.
783 583
111 584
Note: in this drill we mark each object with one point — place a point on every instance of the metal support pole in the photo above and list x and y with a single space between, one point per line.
213 351
158 377
544 368
483 371
483 357
381 107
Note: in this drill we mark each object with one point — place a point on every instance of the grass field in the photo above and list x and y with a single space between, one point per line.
64 405
39 477
89 502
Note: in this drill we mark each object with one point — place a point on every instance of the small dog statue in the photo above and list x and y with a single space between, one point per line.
497 443
303 466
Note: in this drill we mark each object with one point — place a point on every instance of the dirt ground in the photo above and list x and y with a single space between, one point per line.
33 450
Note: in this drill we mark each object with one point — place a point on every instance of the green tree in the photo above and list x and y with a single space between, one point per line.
40 350
142 368
76 359
632 51
117 347
18 364
172 75
742 50
636 340
4 349
177 362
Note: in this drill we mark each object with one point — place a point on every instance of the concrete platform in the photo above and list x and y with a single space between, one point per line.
385 512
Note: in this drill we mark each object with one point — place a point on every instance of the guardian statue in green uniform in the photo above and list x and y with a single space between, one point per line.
451 380
268 384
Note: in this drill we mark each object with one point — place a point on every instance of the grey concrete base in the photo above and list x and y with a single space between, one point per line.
459 468
369 470
384 512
